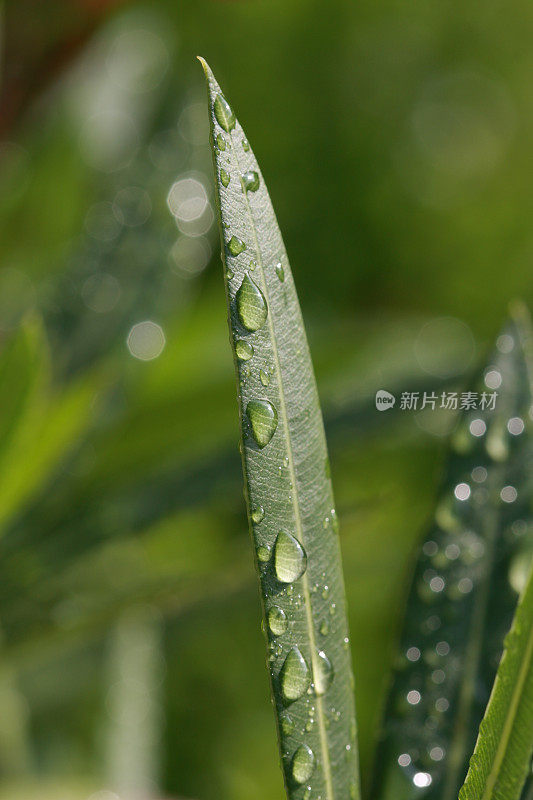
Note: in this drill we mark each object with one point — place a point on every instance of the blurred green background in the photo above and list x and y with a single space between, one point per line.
395 140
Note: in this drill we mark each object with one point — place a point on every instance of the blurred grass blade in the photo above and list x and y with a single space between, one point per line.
288 488
501 760
463 596
38 425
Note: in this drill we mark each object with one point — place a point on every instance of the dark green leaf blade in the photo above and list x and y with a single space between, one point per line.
502 757
288 489
463 593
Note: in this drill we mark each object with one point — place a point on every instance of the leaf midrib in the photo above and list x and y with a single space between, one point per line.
295 498
509 721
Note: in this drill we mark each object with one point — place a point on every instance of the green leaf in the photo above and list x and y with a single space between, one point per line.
501 759
287 485
39 425
463 595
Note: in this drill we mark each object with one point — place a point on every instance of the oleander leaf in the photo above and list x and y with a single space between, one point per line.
287 485
464 590
502 757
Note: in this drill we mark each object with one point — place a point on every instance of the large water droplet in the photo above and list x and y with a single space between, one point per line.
236 246
294 676
290 559
243 349
323 675
303 764
224 113
221 142
224 177
277 620
250 181
263 419
251 305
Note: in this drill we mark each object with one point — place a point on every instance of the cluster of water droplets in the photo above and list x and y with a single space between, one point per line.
300 676
463 552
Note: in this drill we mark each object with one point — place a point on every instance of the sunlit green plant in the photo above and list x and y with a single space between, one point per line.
462 598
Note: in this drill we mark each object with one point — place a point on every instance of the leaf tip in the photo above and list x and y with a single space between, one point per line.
205 66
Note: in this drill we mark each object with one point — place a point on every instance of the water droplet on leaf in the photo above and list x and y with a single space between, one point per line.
258 514
251 305
265 377
290 559
250 181
263 419
243 349
263 553
245 145
303 764
277 620
224 177
294 676
236 246
323 673
221 142
287 723
280 272
224 113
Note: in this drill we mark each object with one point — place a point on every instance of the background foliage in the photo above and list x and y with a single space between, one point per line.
394 140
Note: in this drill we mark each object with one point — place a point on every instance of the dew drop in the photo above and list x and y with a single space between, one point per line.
221 142
251 305
252 265
287 723
250 181
325 592
224 113
323 674
243 349
230 274
245 145
294 676
280 272
263 419
324 628
258 514
263 553
224 177
290 559
236 246
277 620
303 764
265 377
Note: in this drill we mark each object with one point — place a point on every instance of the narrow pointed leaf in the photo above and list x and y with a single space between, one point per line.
464 589
288 489
502 757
